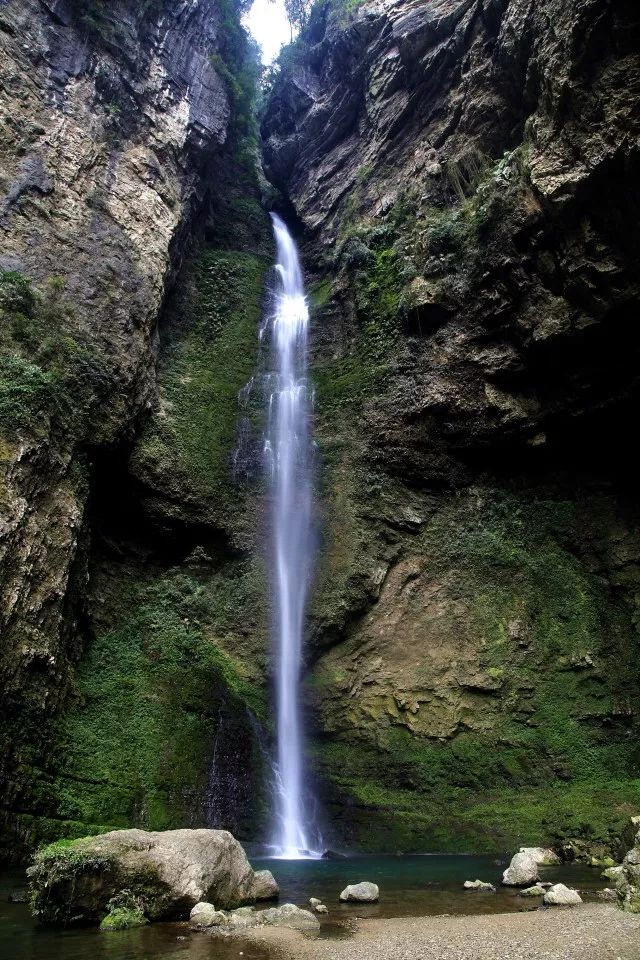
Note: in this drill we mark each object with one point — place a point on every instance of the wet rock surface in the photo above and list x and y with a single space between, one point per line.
473 245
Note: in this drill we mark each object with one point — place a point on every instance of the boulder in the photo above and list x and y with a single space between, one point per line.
537 890
321 908
288 915
480 886
522 871
204 915
165 873
265 886
363 892
543 856
560 896
612 873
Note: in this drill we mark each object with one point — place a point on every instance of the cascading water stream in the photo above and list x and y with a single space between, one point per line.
289 464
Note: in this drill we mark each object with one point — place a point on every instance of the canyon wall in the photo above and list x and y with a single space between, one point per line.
465 177
126 162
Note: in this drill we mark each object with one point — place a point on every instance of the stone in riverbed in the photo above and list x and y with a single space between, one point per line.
362 892
166 873
537 890
522 871
18 896
608 895
205 915
612 873
288 915
561 896
265 886
480 886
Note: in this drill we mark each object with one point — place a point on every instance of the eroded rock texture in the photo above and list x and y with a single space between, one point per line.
115 127
466 173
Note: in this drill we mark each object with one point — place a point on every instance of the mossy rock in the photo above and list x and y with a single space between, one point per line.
123 918
159 875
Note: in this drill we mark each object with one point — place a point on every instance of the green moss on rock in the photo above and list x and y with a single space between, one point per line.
524 729
151 693
211 350
123 918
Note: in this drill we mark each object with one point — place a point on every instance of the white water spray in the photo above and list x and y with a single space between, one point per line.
289 463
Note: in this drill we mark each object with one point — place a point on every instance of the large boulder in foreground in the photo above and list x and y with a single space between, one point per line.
164 874
522 871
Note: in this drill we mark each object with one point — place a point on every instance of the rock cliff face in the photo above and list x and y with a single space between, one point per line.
465 177
120 134
465 173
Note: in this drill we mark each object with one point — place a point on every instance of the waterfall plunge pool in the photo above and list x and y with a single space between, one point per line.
409 886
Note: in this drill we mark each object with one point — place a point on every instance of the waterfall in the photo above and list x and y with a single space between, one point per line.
288 459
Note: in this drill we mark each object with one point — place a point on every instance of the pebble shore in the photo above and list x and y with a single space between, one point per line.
589 932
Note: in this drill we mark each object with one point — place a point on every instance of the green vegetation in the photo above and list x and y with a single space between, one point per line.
210 355
50 378
123 918
365 363
554 757
151 693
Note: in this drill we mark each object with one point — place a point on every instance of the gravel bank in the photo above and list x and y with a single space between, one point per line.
590 932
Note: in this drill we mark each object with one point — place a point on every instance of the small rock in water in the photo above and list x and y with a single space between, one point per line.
205 915
318 905
18 896
480 886
362 892
561 896
537 890
608 895
522 871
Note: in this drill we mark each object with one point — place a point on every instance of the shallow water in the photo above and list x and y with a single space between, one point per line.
22 939
409 886
416 885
